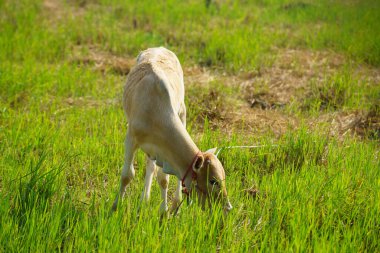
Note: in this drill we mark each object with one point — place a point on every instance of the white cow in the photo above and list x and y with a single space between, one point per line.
154 105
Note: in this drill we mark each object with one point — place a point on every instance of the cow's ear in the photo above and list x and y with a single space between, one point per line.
212 150
198 164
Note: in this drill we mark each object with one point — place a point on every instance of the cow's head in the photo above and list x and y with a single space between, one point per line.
211 180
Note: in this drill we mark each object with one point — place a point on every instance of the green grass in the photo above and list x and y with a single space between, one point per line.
62 128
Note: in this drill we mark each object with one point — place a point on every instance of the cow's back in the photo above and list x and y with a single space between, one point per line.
154 84
167 67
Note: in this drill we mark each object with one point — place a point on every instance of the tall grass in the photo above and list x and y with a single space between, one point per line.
313 195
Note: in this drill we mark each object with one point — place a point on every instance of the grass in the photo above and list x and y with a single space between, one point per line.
342 90
62 126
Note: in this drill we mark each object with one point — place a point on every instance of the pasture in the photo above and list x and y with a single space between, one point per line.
301 79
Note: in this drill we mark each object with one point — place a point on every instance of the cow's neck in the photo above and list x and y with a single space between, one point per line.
179 150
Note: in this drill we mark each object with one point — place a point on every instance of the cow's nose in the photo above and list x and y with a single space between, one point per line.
228 207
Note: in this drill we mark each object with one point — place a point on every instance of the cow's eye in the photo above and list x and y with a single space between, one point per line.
214 182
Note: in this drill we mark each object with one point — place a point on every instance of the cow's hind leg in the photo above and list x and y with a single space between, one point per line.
128 171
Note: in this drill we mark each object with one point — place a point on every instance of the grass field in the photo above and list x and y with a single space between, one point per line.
301 78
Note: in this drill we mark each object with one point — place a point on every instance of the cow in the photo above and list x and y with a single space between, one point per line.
153 102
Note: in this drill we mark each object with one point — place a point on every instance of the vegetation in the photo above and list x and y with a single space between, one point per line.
300 78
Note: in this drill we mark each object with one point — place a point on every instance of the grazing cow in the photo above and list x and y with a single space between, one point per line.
154 105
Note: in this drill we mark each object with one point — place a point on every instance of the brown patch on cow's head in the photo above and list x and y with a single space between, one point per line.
211 180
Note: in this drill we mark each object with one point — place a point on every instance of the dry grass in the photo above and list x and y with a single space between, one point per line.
290 75
257 105
362 124
102 61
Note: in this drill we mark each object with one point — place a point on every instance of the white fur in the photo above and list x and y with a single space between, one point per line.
154 105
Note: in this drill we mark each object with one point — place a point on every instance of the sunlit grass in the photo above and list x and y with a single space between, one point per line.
62 129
